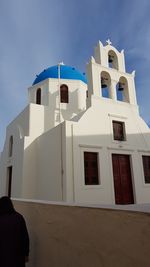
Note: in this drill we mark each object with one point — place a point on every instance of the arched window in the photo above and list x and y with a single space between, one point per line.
10 146
64 97
122 90
105 84
38 96
112 60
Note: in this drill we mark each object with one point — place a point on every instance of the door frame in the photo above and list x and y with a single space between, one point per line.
126 153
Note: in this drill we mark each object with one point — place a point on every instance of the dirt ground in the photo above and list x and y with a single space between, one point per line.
65 236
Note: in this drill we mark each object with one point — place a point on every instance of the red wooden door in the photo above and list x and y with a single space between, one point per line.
122 179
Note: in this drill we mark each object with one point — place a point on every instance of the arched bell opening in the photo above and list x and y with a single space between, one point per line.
105 84
122 90
112 60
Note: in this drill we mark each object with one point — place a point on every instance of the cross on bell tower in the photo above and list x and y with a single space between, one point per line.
108 42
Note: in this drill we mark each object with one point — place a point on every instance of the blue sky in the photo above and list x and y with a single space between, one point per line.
36 34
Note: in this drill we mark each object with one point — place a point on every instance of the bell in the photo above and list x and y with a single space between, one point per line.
103 83
120 87
110 59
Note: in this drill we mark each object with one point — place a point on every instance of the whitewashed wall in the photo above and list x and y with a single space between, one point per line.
94 132
50 99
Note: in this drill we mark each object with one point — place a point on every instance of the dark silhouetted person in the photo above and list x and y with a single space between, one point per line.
14 239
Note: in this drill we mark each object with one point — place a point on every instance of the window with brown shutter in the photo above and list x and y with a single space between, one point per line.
91 174
64 98
146 167
119 130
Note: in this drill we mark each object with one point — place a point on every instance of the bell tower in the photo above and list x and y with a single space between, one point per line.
107 76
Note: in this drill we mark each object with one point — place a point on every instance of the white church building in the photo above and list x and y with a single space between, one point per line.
79 139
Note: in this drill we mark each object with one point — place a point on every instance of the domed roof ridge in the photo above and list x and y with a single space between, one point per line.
66 72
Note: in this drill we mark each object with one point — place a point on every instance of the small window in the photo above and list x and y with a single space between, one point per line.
91 174
146 167
64 98
10 146
38 96
119 130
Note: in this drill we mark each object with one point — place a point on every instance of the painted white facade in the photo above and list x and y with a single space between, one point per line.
49 140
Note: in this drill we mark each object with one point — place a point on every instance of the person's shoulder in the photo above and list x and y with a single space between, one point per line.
19 216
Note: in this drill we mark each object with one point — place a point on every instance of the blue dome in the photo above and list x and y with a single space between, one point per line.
66 72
